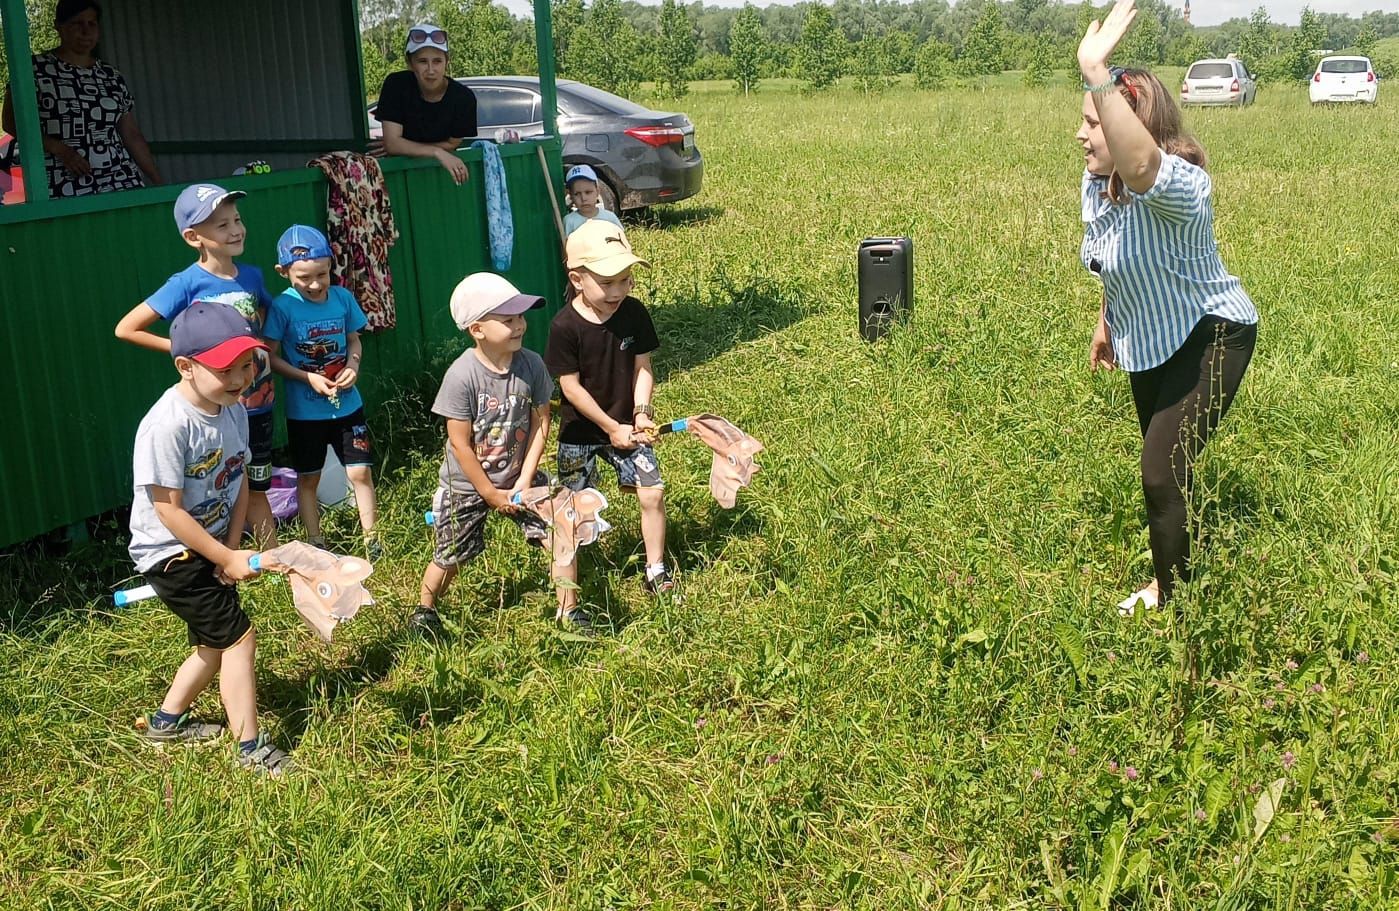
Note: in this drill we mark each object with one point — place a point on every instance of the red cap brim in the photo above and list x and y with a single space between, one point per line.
223 354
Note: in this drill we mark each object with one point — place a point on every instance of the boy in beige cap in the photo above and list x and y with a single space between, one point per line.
599 349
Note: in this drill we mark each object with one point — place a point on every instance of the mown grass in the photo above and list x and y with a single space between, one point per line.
896 679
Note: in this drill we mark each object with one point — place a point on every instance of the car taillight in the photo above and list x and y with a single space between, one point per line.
1370 76
1317 77
658 136
1235 86
1185 88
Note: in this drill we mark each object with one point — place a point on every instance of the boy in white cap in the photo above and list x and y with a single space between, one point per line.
191 498
600 349
495 399
581 181
207 218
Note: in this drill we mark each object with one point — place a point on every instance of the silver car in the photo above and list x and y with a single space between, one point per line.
643 157
1219 81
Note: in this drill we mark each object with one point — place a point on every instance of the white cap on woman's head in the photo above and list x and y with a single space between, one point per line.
426 35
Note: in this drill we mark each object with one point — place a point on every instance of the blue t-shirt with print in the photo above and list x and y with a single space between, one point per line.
245 293
313 337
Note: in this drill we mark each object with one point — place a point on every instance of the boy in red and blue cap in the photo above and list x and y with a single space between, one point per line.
207 218
313 330
187 515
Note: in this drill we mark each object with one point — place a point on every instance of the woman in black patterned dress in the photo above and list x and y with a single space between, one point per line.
92 143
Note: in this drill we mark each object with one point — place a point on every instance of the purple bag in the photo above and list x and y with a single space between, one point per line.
282 496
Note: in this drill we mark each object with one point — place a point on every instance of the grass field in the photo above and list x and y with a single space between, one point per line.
896 679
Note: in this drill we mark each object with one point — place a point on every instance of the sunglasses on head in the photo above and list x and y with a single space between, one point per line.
1119 76
420 36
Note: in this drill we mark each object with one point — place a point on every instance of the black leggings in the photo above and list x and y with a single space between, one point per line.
1179 405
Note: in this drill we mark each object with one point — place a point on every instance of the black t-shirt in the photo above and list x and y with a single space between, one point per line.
604 357
401 102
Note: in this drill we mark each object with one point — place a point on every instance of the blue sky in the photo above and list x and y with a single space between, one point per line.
1202 12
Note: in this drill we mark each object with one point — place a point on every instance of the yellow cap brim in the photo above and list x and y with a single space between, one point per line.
611 265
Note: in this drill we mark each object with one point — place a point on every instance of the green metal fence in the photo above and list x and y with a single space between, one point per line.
75 394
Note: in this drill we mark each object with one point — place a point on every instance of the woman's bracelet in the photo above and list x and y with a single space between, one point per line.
1100 89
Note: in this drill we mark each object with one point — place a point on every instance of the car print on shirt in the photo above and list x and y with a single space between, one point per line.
201 469
232 470
210 512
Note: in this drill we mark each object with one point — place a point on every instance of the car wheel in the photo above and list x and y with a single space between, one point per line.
608 197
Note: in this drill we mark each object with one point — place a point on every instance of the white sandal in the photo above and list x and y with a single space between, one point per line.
1128 606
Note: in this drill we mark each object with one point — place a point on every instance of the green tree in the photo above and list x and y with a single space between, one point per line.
565 17
1257 43
1086 15
384 24
479 33
932 63
677 48
1041 66
376 67
42 34
1365 40
1186 50
1143 45
821 50
604 50
871 66
747 47
1309 37
900 46
983 53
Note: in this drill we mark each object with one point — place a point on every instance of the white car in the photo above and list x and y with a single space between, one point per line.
1344 79
1221 81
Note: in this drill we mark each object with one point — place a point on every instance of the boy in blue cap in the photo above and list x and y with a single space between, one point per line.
313 330
187 514
207 218
581 181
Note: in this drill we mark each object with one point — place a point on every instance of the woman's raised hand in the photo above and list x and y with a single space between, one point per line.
1102 38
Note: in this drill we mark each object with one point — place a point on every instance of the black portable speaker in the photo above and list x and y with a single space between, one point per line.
886 284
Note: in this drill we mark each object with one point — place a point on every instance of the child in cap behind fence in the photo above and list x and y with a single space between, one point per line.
582 184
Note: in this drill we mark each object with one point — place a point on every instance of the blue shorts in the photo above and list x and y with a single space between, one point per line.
635 467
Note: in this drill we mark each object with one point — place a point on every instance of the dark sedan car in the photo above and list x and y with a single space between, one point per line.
643 156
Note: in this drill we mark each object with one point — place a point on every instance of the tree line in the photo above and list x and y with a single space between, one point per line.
618 44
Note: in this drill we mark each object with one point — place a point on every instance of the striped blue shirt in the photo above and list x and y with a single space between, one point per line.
1159 263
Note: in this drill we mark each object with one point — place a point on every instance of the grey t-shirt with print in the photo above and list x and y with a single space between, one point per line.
204 455
499 407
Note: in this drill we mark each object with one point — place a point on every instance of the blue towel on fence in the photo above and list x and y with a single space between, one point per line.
499 221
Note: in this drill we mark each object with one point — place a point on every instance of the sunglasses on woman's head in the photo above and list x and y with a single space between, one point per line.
419 36
1119 76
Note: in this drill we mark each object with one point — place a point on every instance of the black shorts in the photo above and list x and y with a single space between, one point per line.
307 440
188 586
260 429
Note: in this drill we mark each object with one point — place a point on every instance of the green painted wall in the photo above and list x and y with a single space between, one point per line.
75 393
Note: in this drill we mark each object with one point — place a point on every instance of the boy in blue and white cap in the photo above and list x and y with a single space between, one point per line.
581 181
313 331
207 218
190 502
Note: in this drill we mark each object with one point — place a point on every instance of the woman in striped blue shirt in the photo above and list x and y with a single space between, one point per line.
1172 316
